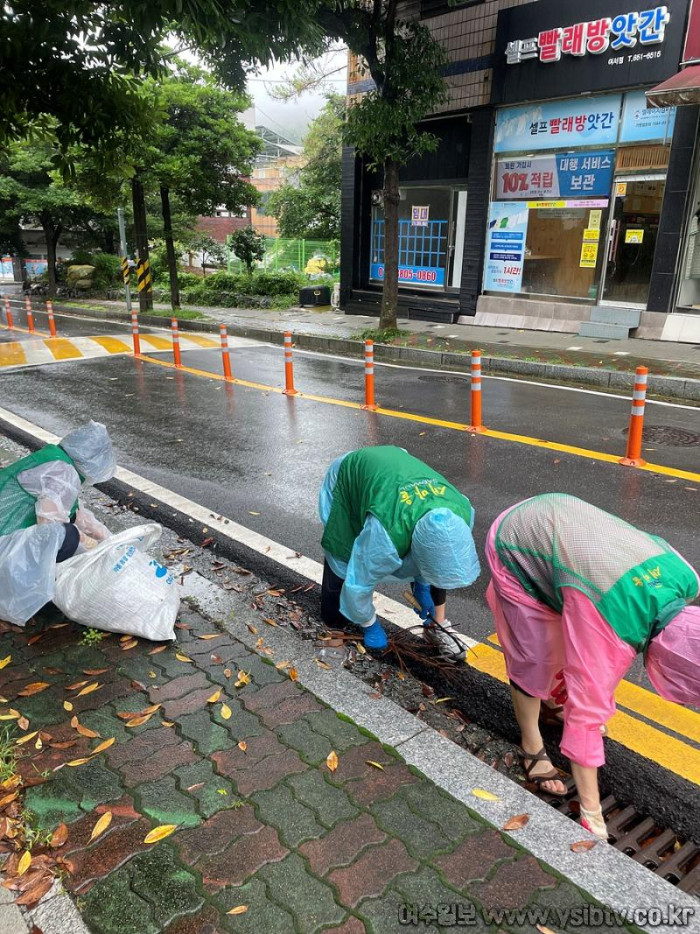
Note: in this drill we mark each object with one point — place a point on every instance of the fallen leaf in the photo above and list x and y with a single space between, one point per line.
582 846
293 674
39 635
101 825
130 644
67 705
24 863
244 678
104 745
250 511
95 686
59 836
74 687
332 761
23 723
238 910
4 662
86 731
215 659
79 761
157 649
270 621
197 786
34 688
160 833
252 629
12 714
517 822
66 745
227 672
243 745
182 658
25 739
281 665
377 765
544 930
167 723
211 635
36 891
94 672
225 711
8 799
484 795
360 648
138 721
214 698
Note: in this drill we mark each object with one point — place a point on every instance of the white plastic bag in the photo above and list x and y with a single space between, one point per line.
118 587
27 568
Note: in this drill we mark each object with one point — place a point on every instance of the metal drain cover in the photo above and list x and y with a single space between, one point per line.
435 378
667 434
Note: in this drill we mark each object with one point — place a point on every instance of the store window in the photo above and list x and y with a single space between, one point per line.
431 237
689 295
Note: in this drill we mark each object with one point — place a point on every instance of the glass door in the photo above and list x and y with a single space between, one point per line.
634 228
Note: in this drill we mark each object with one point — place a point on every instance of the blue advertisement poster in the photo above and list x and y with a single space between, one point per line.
641 123
560 175
559 124
505 248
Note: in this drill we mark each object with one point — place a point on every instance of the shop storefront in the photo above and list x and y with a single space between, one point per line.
581 160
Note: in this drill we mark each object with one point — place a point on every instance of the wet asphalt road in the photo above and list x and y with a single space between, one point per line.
240 451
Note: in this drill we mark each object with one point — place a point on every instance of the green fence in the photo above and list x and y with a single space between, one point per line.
306 256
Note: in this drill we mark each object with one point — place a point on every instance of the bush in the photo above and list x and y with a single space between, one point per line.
277 283
108 268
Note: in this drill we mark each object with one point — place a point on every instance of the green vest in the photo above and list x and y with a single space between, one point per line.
17 507
637 582
393 486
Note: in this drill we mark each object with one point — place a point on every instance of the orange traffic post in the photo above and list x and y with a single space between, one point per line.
175 327
52 322
633 457
135 333
369 376
224 352
475 421
8 313
289 389
30 319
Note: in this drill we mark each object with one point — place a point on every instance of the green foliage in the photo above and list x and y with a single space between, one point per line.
311 209
248 245
380 335
108 267
92 637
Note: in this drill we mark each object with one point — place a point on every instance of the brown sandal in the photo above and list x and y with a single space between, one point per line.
552 716
552 776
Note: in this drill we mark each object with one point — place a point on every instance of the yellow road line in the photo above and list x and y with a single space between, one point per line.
62 348
112 344
667 751
454 426
160 343
12 354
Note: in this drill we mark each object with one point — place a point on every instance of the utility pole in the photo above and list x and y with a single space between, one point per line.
126 271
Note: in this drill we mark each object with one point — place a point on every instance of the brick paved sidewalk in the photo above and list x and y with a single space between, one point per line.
262 822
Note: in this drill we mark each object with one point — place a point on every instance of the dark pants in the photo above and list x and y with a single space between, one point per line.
330 598
71 541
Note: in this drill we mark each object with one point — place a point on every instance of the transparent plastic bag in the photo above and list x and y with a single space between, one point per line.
28 570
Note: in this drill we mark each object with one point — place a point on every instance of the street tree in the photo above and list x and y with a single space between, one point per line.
308 206
406 66
248 245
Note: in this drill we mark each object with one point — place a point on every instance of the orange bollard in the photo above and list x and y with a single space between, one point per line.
475 422
30 320
135 333
633 457
369 376
224 352
52 323
8 313
289 389
175 327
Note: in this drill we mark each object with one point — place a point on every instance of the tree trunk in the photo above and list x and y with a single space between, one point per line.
170 247
51 234
390 293
141 236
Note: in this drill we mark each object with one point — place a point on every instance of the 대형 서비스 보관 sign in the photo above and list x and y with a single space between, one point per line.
563 175
556 48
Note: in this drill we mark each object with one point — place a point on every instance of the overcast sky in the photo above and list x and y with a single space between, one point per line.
292 117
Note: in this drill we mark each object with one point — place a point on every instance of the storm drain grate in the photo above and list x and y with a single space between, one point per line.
660 850
667 434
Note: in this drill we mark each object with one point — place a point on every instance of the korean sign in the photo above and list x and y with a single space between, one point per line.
505 250
559 124
619 34
641 122
563 175
420 215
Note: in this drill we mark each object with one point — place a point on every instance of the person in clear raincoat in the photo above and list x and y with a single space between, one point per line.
42 521
576 594
390 517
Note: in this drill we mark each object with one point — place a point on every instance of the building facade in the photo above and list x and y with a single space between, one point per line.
559 198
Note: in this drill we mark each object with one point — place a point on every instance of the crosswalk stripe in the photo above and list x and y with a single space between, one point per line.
112 344
12 354
63 349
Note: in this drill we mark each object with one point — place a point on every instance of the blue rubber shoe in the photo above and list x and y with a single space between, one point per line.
375 637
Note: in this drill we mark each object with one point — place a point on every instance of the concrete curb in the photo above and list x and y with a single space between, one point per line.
609 876
671 387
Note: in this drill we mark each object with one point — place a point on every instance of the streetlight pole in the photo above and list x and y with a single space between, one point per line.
122 249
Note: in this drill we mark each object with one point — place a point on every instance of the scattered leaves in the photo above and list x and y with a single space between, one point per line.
58 837
182 658
101 825
253 513
160 833
83 730
94 672
544 930
129 644
360 648
583 846
244 678
226 711
280 666
215 697
157 650
138 721
238 910
79 761
36 891
67 706
211 635
24 863
377 765
332 761
11 714
74 687
517 822
95 686
243 746
34 688
4 662
484 795
293 674
23 723
104 745
25 739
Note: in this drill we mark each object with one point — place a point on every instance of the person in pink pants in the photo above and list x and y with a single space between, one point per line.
576 593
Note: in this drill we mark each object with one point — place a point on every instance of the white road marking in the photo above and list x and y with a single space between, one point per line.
397 613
